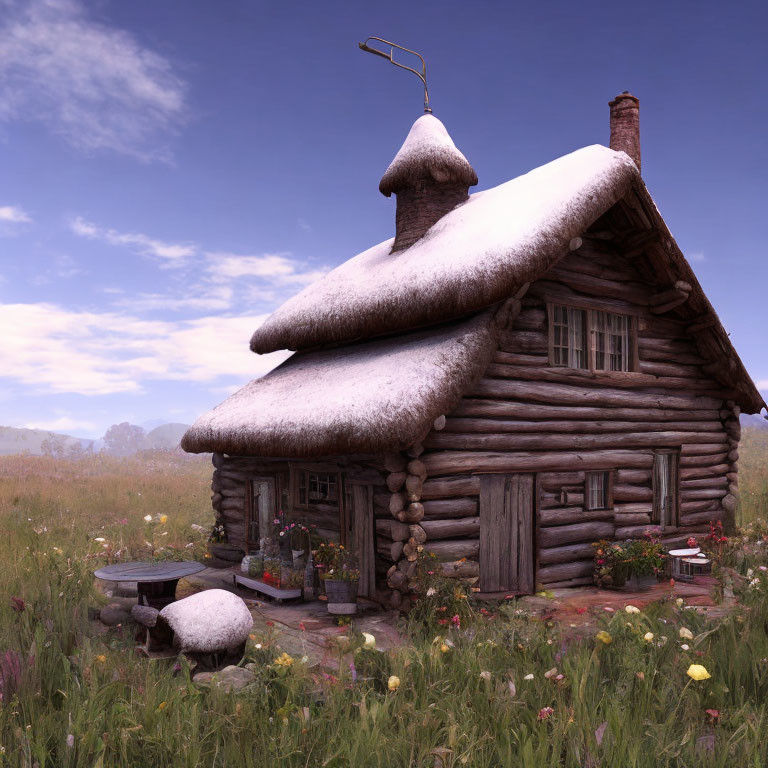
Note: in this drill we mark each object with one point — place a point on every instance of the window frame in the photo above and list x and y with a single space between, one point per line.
303 472
607 475
591 309
656 516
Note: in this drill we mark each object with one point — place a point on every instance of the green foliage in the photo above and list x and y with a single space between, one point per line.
83 698
616 561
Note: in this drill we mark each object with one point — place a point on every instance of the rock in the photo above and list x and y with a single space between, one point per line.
145 615
114 614
210 621
228 679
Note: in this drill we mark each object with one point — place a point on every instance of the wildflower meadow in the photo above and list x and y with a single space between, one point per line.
472 685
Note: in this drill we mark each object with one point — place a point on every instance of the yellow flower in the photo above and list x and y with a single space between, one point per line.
697 672
632 609
444 648
604 637
648 636
679 602
370 641
393 683
163 519
101 658
161 706
686 634
284 660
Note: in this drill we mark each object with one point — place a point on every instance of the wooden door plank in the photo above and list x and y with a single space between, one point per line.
525 516
509 553
494 533
362 537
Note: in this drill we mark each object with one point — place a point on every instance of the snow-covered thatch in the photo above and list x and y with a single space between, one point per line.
368 397
474 256
428 153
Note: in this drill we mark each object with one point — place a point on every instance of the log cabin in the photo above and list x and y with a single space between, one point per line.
517 373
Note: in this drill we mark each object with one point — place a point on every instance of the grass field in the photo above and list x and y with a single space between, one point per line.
503 690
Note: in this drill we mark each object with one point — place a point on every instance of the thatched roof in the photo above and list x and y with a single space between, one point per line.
369 397
474 256
428 153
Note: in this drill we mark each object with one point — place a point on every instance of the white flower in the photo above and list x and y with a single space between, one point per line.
485 675
648 636
147 518
304 659
685 647
750 573
686 634
529 676
632 609
679 602
431 591
99 538
258 646
370 641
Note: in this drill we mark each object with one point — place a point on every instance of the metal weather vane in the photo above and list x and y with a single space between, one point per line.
390 57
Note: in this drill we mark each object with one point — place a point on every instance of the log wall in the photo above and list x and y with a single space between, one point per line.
525 416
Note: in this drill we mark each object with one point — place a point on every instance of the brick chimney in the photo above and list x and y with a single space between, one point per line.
625 125
429 176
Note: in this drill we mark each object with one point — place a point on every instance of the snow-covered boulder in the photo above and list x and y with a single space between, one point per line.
210 621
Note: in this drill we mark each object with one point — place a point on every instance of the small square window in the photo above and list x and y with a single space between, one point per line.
597 491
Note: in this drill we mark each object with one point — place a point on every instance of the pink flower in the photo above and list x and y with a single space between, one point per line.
455 620
546 712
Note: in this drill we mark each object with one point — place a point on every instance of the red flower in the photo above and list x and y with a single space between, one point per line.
270 623
18 604
302 627
714 715
692 542
442 622
546 712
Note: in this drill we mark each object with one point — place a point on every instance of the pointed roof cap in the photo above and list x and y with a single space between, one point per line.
428 152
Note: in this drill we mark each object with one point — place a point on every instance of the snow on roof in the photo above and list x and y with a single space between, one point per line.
428 152
370 397
474 256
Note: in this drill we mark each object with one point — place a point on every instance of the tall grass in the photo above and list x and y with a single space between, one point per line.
74 696
753 475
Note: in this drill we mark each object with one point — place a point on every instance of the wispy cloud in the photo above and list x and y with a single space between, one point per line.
697 256
62 424
169 254
97 87
762 385
12 214
278 267
55 350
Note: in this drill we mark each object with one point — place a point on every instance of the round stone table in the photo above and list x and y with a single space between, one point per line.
155 582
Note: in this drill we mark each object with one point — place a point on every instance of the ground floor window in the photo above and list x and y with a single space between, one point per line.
598 490
666 488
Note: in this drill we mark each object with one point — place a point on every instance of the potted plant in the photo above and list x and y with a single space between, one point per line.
219 547
340 576
631 565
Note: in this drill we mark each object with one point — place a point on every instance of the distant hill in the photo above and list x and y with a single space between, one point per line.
167 436
20 440
754 420
37 442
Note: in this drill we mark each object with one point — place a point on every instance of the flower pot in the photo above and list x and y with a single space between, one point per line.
338 591
225 551
635 583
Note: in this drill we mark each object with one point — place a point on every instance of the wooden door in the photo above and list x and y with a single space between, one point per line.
506 533
361 538
261 512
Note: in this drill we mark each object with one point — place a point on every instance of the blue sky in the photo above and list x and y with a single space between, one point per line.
171 172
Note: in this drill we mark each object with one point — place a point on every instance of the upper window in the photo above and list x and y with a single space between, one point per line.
590 339
597 490
611 337
569 337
